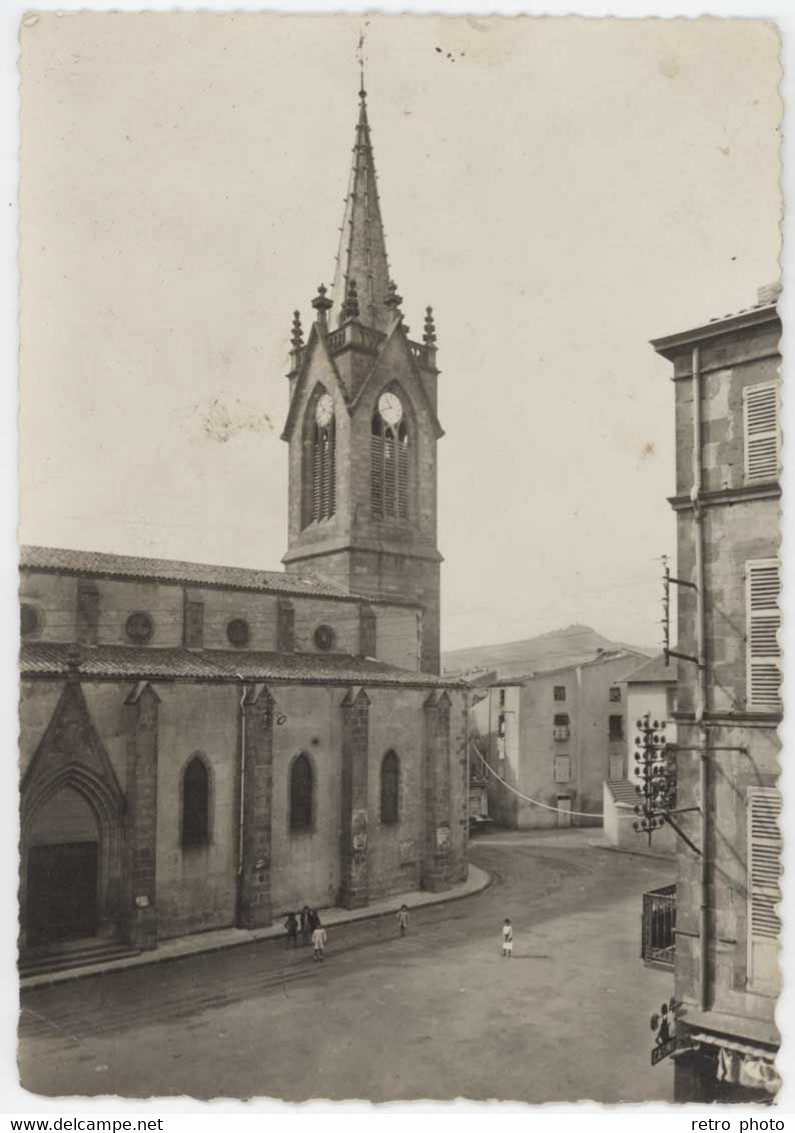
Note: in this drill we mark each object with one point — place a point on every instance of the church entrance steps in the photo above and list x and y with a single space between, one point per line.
184 946
66 957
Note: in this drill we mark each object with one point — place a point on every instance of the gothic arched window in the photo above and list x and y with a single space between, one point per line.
389 459
195 804
390 789
324 472
301 790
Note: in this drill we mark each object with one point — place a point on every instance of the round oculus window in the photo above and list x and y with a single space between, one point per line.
238 632
28 619
139 627
324 638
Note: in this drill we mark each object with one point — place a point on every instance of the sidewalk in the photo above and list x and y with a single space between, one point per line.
180 947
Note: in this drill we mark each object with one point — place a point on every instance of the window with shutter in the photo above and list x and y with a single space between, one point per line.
763 618
760 413
562 768
389 459
764 893
403 472
389 473
323 471
377 466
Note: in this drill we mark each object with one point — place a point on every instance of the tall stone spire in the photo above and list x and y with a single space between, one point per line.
362 254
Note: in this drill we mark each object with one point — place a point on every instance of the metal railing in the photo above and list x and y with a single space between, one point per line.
659 926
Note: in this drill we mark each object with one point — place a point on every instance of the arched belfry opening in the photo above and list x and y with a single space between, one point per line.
320 459
390 440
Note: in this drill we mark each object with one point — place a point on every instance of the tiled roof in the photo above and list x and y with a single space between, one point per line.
763 312
653 672
98 563
125 662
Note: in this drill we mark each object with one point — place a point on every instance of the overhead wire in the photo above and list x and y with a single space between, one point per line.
537 802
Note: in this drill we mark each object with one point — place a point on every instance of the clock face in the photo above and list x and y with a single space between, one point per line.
325 410
390 408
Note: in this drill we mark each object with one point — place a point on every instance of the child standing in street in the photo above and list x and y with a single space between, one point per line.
318 940
291 928
402 918
306 926
507 938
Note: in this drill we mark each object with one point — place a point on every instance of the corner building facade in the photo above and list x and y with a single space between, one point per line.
726 382
206 746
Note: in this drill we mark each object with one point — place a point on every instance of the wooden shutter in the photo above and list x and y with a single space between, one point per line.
763 618
376 468
325 475
389 472
562 768
403 473
760 415
764 893
316 473
332 440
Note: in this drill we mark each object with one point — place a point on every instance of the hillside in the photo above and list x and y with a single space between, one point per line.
554 650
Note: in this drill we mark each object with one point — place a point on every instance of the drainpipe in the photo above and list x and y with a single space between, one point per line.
242 778
701 686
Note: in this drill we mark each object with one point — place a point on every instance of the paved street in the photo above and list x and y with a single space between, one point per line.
438 1014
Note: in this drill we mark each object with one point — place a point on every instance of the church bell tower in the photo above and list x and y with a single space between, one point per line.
362 425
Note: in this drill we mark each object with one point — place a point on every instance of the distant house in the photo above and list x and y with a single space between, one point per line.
650 689
553 736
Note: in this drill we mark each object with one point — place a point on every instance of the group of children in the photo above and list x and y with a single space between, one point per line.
308 923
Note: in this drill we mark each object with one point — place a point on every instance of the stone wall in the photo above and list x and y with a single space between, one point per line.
730 775
150 732
56 598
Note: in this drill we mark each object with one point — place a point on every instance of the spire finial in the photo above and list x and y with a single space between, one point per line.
298 335
429 337
360 57
321 304
392 300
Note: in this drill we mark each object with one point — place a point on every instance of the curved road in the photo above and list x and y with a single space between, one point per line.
438 1014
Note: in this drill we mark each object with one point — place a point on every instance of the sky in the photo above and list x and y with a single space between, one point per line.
560 190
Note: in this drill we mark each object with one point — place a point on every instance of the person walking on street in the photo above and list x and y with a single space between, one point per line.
306 927
507 938
402 918
291 928
318 940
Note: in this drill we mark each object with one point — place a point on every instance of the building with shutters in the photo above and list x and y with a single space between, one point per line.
206 746
554 736
726 388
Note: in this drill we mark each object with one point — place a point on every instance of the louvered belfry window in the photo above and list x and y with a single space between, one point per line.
761 433
764 892
763 619
324 493
389 468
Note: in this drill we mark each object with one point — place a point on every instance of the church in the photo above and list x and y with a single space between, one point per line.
206 746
